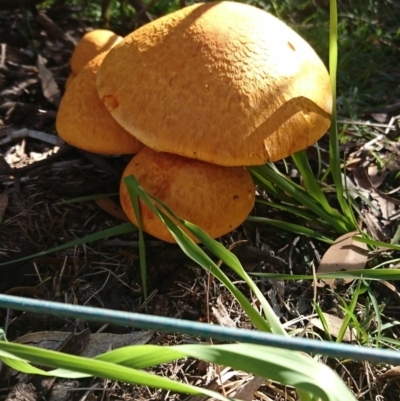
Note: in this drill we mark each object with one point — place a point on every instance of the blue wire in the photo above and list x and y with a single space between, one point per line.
205 330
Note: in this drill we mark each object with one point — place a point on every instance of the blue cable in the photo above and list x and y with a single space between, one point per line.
204 330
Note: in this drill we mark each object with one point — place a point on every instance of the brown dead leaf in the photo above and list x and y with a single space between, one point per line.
246 392
97 343
222 315
31 292
344 254
49 86
386 203
375 226
361 177
3 205
111 208
393 372
334 324
376 176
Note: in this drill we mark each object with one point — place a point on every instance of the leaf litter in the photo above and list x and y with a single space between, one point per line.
38 172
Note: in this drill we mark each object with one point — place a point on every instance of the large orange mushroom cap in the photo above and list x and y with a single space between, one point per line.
90 45
216 198
84 122
222 82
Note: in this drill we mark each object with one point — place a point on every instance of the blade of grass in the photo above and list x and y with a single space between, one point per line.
310 182
294 228
378 244
86 198
195 253
368 274
142 247
109 232
336 221
233 262
323 321
96 367
349 311
311 378
333 138
297 211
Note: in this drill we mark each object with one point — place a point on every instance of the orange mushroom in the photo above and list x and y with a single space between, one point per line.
90 45
222 82
84 122
216 198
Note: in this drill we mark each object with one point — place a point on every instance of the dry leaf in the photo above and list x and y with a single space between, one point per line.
222 315
376 176
393 372
334 324
361 177
246 392
345 254
111 208
98 342
49 85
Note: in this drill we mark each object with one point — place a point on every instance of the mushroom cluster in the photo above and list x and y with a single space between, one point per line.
208 90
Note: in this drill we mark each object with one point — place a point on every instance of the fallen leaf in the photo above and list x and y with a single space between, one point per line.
111 208
395 371
31 292
49 86
334 324
361 177
246 392
97 344
376 176
222 315
345 254
375 226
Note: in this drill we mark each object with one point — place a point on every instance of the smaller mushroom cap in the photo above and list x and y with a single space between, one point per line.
84 122
90 45
216 198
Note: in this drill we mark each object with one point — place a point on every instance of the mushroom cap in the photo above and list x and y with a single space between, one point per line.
216 198
90 45
84 122
222 82
69 79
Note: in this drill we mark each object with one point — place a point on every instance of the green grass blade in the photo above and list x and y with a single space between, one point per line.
109 232
297 211
295 369
349 312
336 221
195 253
96 367
323 321
309 377
269 187
310 182
142 247
368 274
86 198
377 311
233 262
333 138
294 228
378 244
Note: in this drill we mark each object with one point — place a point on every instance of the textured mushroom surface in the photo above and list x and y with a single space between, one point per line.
90 45
221 82
216 198
84 122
